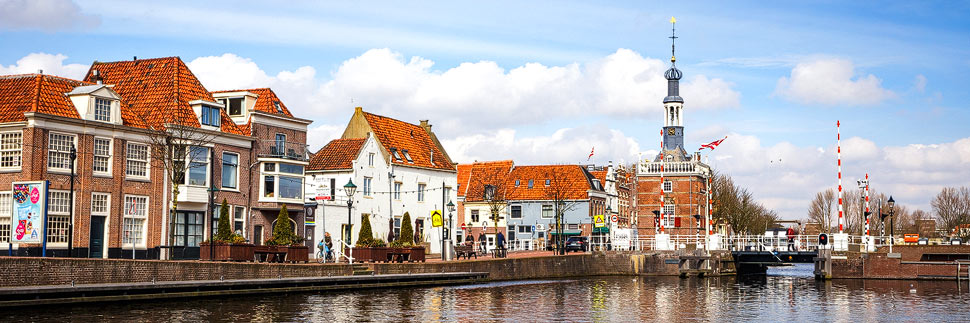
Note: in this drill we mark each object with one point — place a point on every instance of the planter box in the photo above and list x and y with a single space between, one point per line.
226 252
268 253
405 254
297 253
372 254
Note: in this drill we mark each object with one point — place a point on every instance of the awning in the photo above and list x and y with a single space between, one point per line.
603 230
567 233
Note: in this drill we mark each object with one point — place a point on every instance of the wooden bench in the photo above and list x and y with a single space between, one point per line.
466 251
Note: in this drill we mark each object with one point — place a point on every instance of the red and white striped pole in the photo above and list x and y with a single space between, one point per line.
838 129
661 222
867 208
710 206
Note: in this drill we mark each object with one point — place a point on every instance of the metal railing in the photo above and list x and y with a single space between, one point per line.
757 243
339 252
281 149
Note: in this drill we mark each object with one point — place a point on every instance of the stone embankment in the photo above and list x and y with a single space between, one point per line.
905 262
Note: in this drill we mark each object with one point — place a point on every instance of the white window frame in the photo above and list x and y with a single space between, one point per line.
397 190
222 171
668 186
107 204
147 161
276 173
13 149
670 211
421 188
98 106
189 161
233 221
108 159
552 211
370 159
52 151
512 211
6 211
53 213
368 186
126 240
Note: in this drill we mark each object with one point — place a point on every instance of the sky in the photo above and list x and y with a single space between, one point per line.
546 82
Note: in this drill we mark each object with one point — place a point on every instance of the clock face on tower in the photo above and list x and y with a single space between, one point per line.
671 131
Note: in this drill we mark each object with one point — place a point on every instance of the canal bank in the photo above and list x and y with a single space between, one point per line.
915 262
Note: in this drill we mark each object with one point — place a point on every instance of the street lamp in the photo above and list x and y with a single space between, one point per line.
446 248
608 219
892 228
451 210
350 189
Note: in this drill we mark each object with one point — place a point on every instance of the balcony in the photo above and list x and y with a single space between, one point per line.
672 168
281 149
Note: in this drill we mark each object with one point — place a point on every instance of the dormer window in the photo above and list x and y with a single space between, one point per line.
210 116
277 105
102 110
397 156
407 156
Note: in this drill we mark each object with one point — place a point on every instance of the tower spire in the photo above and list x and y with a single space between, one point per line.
673 39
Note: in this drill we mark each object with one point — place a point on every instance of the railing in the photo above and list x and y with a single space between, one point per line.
281 149
757 242
671 167
339 252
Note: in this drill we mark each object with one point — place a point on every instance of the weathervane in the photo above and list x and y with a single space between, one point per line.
673 39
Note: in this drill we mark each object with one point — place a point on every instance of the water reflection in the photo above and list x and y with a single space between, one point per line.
785 294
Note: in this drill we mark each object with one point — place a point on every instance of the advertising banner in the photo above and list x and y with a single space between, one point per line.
29 210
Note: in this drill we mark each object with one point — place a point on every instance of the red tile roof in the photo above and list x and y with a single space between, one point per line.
569 182
464 171
400 135
36 93
337 154
600 175
266 102
494 173
158 91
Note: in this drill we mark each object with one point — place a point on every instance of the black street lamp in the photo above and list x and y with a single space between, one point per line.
70 224
892 228
451 210
350 189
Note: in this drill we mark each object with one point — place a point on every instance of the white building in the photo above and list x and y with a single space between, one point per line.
397 167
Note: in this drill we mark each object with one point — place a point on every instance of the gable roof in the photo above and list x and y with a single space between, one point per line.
266 101
158 91
337 154
572 181
395 135
464 171
487 173
40 93
600 175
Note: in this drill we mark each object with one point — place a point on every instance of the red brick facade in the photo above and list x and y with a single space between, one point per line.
689 197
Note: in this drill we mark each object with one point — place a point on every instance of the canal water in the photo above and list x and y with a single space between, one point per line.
785 294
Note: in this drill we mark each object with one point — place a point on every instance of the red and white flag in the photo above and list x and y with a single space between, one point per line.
591 153
713 145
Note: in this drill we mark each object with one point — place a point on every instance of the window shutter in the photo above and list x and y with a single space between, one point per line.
676 222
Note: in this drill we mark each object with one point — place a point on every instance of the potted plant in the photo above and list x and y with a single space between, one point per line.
368 248
285 240
226 245
403 248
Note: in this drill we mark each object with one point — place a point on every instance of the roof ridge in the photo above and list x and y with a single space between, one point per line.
249 89
135 60
386 117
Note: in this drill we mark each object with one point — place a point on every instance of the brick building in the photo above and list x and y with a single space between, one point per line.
122 119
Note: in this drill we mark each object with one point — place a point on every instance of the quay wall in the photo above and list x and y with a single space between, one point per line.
913 262
33 271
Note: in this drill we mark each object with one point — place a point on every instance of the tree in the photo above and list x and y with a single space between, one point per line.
224 234
821 209
560 191
737 207
283 234
952 207
366 237
406 239
490 184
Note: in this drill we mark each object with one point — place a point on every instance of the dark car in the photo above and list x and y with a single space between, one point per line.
577 244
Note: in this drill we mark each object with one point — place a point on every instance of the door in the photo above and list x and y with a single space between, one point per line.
258 235
96 245
187 231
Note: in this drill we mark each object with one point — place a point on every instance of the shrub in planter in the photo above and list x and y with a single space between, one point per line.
226 245
284 238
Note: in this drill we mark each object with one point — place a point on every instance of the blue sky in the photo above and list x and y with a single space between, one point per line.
542 82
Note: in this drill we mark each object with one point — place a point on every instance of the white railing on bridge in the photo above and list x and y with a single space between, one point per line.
755 242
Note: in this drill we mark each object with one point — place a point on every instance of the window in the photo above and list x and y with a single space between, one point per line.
269 186
516 183
516 212
548 181
547 211
421 192
210 116
278 184
239 220
397 190
367 185
530 183
11 145
102 155
59 151
136 213
407 155
397 226
198 166
669 214
233 106
137 163
572 226
447 191
291 169
230 170
370 159
333 189
6 205
280 144
525 229
102 110
474 215
668 186
511 233
58 217
269 167
277 105
397 156
291 187
100 203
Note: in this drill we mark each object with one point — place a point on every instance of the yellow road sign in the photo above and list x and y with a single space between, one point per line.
436 218
599 221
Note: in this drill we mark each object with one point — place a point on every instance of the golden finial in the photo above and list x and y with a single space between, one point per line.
673 38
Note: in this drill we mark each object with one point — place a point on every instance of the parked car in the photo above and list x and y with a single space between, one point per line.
580 244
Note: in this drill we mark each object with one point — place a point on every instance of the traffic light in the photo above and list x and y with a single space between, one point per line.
823 239
867 214
883 216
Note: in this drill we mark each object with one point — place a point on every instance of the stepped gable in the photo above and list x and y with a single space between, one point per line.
158 91
575 181
488 173
39 93
401 135
337 154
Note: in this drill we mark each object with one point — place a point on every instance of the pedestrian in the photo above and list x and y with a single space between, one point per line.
791 239
481 242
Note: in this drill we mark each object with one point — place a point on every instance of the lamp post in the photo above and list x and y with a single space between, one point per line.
70 225
892 228
608 219
350 189
446 250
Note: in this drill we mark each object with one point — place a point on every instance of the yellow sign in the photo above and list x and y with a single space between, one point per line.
436 218
599 221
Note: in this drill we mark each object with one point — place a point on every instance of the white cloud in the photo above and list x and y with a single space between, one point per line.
831 82
567 145
49 63
473 96
46 15
920 83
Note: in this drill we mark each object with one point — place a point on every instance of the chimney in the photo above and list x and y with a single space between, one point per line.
425 125
96 76
40 71
134 58
358 109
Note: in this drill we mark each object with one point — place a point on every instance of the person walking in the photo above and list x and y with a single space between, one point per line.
791 239
481 242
